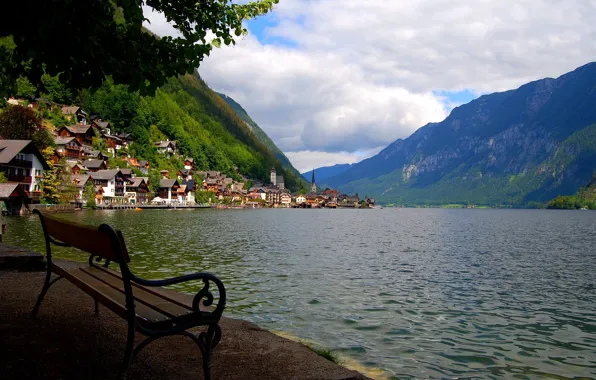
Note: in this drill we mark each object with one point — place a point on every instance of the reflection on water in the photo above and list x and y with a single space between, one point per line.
420 293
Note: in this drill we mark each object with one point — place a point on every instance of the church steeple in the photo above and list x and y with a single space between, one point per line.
313 185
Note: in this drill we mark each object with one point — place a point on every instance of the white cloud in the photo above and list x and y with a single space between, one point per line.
360 74
307 159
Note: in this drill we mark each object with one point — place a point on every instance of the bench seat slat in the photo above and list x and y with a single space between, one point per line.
183 300
113 299
162 305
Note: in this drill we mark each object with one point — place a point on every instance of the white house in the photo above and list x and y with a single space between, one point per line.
168 190
166 147
22 163
285 199
112 182
300 199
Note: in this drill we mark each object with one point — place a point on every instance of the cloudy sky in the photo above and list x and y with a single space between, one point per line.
335 81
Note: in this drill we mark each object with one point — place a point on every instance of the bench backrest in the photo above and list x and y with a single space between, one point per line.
102 241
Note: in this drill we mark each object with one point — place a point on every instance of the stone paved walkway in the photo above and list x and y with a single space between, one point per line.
68 341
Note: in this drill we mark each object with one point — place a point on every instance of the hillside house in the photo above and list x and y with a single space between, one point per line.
166 147
112 183
237 186
189 164
69 147
95 165
210 184
102 127
144 166
164 173
113 142
83 133
184 174
75 114
22 163
126 173
77 169
191 184
133 162
168 190
90 153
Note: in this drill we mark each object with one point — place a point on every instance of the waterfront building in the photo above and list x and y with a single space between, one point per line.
137 188
168 190
23 164
80 180
285 199
112 184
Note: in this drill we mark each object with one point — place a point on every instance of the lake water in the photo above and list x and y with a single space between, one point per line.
420 293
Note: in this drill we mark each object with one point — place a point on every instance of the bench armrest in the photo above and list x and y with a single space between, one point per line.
203 297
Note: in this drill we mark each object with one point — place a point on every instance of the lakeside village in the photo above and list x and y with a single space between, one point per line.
88 173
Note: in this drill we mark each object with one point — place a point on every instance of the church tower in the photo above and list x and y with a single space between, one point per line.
313 185
273 176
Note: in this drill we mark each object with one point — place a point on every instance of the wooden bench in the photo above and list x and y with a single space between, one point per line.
149 309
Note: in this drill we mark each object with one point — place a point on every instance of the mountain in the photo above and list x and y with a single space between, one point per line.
324 172
512 148
259 133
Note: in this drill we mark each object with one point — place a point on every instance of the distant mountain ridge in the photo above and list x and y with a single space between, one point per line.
324 172
509 148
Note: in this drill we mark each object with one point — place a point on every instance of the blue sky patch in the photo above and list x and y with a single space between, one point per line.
457 97
258 27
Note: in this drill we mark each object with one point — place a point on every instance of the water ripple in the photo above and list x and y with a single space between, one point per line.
419 293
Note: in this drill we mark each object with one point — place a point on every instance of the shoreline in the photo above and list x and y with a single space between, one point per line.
67 322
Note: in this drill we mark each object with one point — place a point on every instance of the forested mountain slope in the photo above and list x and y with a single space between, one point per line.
259 133
205 127
510 148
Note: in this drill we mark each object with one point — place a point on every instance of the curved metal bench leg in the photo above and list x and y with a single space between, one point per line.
130 341
207 342
42 295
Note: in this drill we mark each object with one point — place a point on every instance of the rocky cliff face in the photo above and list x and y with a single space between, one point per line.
510 147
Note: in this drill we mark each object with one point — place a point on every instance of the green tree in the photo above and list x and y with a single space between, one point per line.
54 89
154 178
89 195
3 177
64 43
51 183
25 88
99 144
